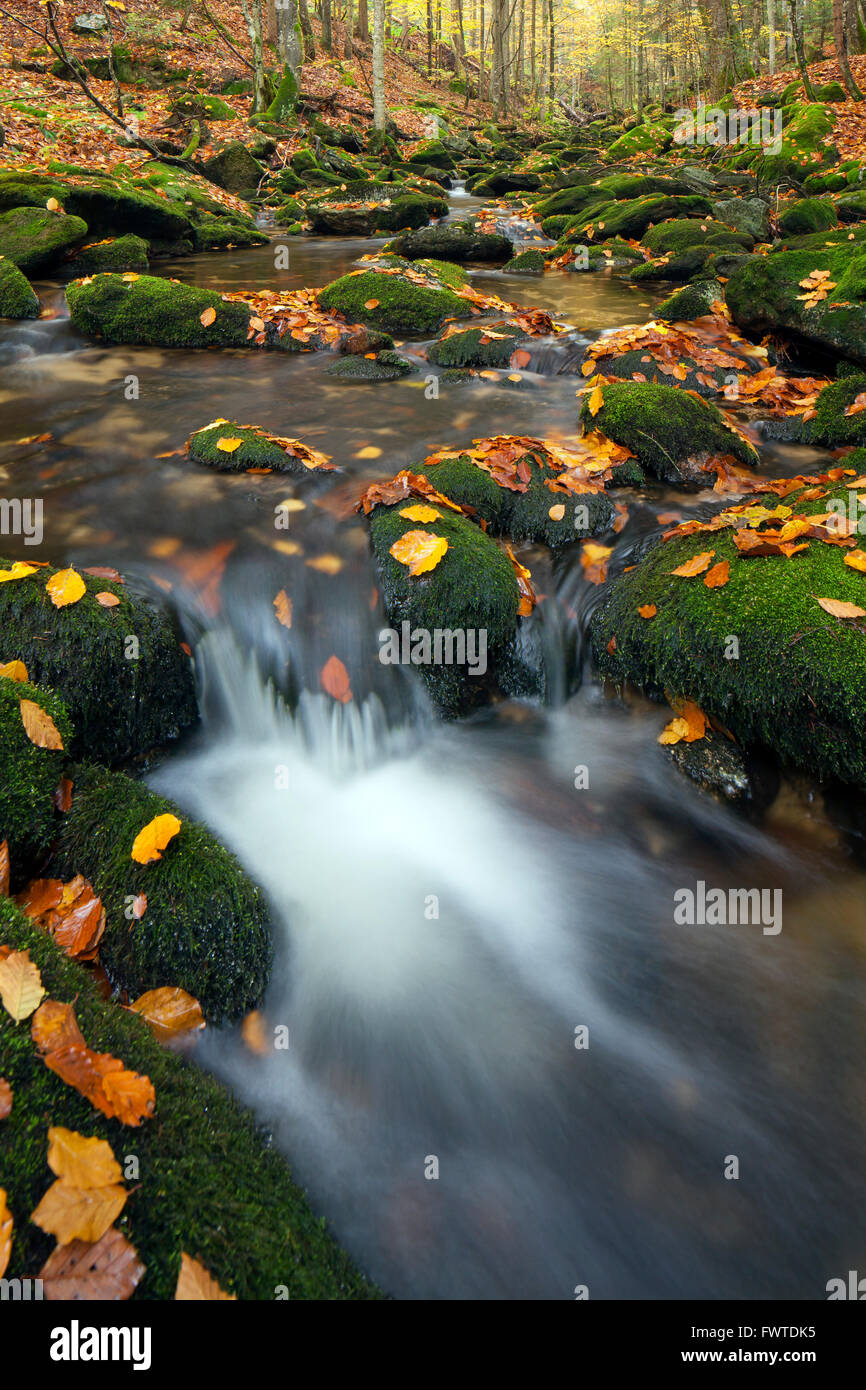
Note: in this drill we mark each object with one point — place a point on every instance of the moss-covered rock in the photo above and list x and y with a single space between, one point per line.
806 145
796 678
681 233
155 313
831 425
765 294
108 207
35 239
670 433
651 139
432 152
852 207
120 670
117 255
257 449
234 169
17 297
630 218
205 927
529 262
399 305
503 180
473 588
690 302
807 215
385 366
29 774
523 515
453 241
477 347
211 1182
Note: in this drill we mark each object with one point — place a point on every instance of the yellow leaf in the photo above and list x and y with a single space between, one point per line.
370 451
228 446
14 671
283 608
130 277
696 565
20 985
195 1285
207 317
152 840
596 400
79 1213
65 587
557 511
855 558
19 570
420 550
839 609
326 564
82 1162
5 1233
420 512
52 205
169 1011
39 726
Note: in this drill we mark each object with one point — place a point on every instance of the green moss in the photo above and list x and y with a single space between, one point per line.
631 218
122 254
205 926
807 215
805 148
764 294
798 684
282 108
402 306
213 233
28 774
523 515
679 266
211 1183
107 207
209 108
529 262
386 366
681 233
473 347
852 208
472 587
234 169
643 139
690 302
35 240
17 298
256 450
433 152
453 241
830 424
121 704
664 428
155 312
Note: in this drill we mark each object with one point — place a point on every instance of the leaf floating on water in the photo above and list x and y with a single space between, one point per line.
152 840
195 1285
65 587
420 551
20 985
253 1033
325 564
283 608
106 1270
207 317
14 671
838 608
39 726
370 451
593 559
335 680
169 1011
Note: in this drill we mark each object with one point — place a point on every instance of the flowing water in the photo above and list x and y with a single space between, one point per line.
451 913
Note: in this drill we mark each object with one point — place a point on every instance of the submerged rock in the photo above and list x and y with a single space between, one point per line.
723 769
529 262
384 366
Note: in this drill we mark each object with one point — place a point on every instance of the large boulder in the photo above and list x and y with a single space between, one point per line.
17 297
117 254
155 312
29 773
765 294
385 298
749 215
453 241
234 169
36 240
807 215
106 206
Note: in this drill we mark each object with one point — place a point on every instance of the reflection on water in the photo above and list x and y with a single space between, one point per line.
452 1035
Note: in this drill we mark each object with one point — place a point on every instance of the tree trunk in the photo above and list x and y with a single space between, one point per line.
307 32
379 64
771 36
551 71
840 36
797 36
289 40
252 13
350 24
327 35
363 22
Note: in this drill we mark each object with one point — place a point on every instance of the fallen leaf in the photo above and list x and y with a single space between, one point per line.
81 1161
696 565
63 794
596 400
106 1270
5 1099
370 451
253 1032
195 1285
718 576
838 608
283 608
325 564
207 317
689 725
19 570
4 869
20 985
79 1213
856 559
557 511
228 445
371 303
5 1233
647 610
14 671
169 1011
152 840
65 587
420 551
335 680
107 600
39 726
54 1026
420 512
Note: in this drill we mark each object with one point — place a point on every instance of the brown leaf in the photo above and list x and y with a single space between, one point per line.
106 1270
5 1098
838 608
696 565
63 794
335 680
107 600
207 317
5 1233
169 1011
39 726
120 1094
195 1285
718 576
4 869
53 1026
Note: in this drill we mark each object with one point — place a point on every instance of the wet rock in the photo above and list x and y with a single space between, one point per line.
106 206
491 346
394 304
206 925
120 707
529 262
385 366
453 241
155 313
831 425
35 240
764 295
17 297
255 449
235 170
691 302
723 769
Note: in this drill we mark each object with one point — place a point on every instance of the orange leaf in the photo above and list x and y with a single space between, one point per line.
63 794
106 600
65 587
207 318
4 869
54 1026
857 560
696 565
335 680
421 551
5 1233
195 1285
169 1011
718 576
152 840
648 610
39 726
106 1270
5 1099
283 607
371 303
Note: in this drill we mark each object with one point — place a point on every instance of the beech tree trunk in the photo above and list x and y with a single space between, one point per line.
379 64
